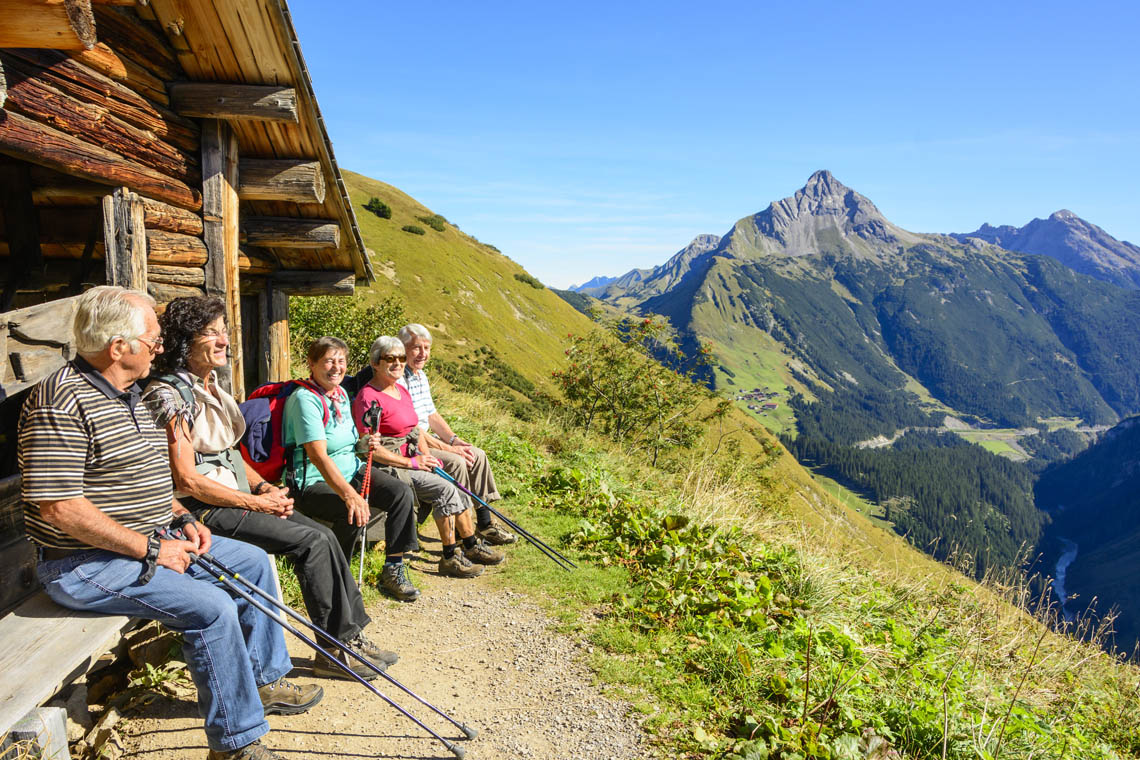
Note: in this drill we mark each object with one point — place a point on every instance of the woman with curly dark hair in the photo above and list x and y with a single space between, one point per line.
203 426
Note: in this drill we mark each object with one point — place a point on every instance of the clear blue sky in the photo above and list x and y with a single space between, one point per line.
590 138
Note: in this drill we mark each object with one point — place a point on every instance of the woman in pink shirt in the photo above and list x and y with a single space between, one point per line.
393 445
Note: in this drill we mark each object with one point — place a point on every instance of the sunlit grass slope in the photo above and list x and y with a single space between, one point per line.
464 291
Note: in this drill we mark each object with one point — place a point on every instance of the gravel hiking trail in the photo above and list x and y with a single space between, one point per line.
488 657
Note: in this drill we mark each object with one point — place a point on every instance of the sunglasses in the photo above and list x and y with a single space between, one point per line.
390 358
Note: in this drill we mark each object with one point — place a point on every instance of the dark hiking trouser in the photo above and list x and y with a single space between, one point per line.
388 495
327 586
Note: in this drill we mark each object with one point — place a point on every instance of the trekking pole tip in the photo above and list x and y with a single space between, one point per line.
469 732
457 751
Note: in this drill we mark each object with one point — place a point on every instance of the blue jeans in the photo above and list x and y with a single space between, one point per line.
230 646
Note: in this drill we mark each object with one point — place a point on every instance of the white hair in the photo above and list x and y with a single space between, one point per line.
409 332
107 312
385 344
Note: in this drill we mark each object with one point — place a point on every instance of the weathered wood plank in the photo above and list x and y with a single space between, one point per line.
46 646
85 83
21 228
38 343
317 283
125 240
289 232
129 35
67 25
33 97
277 335
174 249
28 140
281 180
163 216
234 102
122 69
255 261
220 178
164 292
172 275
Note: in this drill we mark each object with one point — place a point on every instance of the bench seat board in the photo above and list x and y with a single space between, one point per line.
43 647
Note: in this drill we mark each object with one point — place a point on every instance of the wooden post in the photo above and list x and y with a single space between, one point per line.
276 335
220 230
124 240
21 228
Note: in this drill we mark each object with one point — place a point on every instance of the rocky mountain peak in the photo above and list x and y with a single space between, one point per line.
1064 215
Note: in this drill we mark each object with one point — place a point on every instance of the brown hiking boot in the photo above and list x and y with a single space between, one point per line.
482 554
381 657
323 667
496 536
253 751
458 566
394 582
285 698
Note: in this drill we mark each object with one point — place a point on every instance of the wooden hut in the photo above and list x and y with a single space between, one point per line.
165 145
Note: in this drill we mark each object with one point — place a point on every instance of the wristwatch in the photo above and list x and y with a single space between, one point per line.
153 545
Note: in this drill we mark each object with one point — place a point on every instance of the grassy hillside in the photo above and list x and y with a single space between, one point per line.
465 291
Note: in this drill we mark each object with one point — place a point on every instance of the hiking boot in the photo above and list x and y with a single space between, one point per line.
381 657
482 554
496 536
285 698
458 566
323 667
394 582
253 751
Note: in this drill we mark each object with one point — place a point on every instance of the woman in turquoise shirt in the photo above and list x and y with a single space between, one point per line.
325 473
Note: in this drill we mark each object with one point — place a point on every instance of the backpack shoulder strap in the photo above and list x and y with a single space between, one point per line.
319 394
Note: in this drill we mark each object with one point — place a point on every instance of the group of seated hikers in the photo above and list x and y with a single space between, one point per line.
131 470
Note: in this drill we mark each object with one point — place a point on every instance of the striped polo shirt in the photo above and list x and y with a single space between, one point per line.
79 436
420 390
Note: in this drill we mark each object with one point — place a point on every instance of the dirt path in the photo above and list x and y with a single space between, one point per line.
486 656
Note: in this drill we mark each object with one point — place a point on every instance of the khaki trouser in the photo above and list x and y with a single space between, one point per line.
477 478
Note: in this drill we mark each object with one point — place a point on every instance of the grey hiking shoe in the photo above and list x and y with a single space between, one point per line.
253 751
285 698
381 657
458 566
394 582
323 667
496 536
482 554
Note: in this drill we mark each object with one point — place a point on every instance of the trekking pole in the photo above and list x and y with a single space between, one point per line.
370 418
537 542
219 571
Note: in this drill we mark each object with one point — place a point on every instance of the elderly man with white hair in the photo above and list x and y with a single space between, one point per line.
98 498
461 460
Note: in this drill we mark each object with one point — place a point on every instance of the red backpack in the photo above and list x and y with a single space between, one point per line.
263 444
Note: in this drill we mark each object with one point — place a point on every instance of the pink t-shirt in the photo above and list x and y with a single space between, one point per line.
397 417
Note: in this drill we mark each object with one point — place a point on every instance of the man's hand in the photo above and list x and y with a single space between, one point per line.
199 535
426 461
275 501
175 554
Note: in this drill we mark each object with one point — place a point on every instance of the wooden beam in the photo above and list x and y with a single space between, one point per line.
277 335
256 261
290 232
174 249
163 216
30 95
57 224
21 228
80 81
28 140
164 293
220 182
281 180
234 102
129 36
172 275
124 240
107 62
52 188
319 283
66 25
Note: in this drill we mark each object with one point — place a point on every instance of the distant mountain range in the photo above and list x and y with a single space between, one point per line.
597 283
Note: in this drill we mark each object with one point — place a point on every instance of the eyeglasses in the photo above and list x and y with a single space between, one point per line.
390 358
154 343
212 334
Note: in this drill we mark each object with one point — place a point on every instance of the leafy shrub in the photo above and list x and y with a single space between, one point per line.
379 208
435 221
414 229
346 318
614 383
529 280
